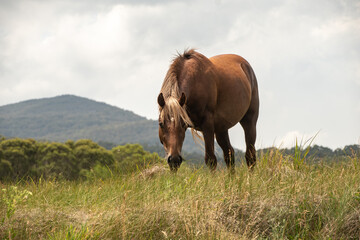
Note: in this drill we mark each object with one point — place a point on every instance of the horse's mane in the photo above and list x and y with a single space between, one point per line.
171 92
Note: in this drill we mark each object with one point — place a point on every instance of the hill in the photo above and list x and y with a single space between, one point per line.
71 117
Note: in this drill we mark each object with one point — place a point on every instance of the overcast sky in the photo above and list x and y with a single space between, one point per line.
306 55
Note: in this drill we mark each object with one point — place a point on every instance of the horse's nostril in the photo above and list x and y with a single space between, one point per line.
174 162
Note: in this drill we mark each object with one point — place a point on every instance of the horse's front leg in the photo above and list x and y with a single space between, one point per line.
210 159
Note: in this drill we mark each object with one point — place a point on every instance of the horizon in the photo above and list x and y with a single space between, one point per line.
301 142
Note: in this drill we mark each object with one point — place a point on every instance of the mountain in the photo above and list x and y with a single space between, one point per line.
71 117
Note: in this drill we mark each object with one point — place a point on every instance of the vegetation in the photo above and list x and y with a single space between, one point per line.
314 154
284 197
29 159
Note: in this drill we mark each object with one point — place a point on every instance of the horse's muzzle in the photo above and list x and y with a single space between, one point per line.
174 162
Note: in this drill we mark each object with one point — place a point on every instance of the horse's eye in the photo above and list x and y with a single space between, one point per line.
161 124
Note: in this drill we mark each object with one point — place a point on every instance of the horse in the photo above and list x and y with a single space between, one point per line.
209 95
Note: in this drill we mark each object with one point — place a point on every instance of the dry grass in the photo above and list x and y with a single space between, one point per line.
153 171
276 201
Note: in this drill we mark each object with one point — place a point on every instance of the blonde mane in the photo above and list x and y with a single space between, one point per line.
171 92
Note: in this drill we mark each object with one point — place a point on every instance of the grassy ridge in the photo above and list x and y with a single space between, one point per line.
279 199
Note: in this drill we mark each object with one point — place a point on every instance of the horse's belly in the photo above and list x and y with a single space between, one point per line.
227 119
233 103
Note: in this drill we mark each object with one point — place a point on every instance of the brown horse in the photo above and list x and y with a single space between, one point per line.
209 95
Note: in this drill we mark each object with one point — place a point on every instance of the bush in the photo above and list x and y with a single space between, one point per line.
57 160
131 157
88 154
19 155
6 170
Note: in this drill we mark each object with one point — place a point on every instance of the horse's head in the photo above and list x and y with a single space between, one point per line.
173 122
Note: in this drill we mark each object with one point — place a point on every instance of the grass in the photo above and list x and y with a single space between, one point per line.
277 200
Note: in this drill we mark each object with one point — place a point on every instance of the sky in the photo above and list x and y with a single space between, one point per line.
305 54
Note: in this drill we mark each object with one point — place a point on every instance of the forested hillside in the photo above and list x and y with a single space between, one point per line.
71 117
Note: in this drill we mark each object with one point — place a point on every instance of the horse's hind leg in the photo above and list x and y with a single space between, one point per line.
250 138
249 125
222 139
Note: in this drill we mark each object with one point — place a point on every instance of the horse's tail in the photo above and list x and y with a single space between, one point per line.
250 74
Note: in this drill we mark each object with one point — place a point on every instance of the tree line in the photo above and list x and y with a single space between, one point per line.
314 153
82 159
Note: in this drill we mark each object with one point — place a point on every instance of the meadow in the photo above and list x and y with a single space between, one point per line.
284 197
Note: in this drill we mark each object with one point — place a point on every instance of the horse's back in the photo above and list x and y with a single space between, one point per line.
231 65
235 85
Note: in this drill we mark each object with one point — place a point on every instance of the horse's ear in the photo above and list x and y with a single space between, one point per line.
182 99
161 100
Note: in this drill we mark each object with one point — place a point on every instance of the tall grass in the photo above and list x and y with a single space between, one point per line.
278 199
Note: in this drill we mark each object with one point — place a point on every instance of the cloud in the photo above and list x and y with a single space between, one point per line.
305 54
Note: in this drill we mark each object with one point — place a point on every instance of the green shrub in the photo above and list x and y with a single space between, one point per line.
20 153
6 170
56 160
88 154
131 157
